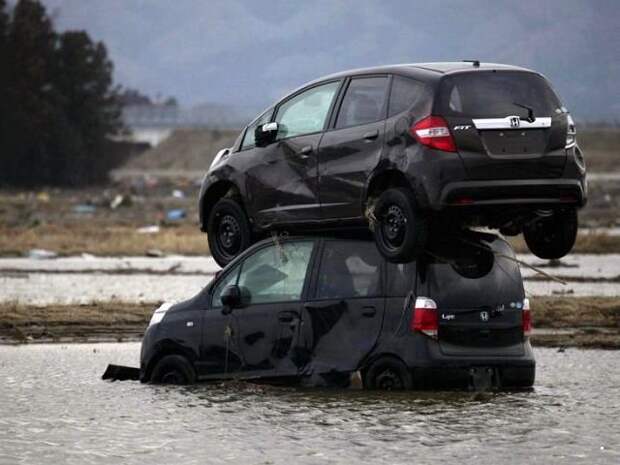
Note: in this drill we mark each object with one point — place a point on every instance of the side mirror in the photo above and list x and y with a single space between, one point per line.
265 134
231 298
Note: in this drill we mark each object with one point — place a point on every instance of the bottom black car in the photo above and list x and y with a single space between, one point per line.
316 311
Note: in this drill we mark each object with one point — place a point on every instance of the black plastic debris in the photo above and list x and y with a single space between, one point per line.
121 373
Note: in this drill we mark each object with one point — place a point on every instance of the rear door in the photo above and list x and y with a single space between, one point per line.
479 298
342 320
352 149
506 124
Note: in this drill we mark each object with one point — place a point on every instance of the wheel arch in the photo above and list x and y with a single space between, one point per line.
165 348
215 192
382 181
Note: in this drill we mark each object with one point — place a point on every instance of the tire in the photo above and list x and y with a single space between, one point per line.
228 231
388 374
401 232
554 236
173 369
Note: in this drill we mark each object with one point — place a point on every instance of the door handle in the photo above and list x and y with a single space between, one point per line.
288 317
371 135
369 311
307 150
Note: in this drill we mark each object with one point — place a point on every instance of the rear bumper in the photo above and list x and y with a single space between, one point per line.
436 369
507 192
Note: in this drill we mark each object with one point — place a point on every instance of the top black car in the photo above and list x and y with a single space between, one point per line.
406 150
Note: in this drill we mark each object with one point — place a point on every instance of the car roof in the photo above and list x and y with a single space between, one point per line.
432 71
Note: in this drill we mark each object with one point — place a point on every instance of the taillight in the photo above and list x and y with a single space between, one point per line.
425 316
571 132
433 131
527 318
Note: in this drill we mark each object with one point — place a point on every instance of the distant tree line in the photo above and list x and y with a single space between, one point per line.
58 104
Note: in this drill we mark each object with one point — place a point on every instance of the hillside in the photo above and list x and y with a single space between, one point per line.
185 149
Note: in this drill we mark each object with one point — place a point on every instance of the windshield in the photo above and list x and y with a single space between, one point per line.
490 94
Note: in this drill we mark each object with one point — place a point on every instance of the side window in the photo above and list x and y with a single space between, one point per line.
229 279
349 269
248 138
306 113
277 272
363 103
400 279
405 93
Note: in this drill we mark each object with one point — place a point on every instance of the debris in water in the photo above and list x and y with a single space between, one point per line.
41 254
121 373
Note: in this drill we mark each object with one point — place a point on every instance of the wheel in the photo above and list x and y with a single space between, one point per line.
228 231
401 231
388 374
173 369
553 236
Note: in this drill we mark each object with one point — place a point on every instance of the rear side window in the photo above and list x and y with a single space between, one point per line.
400 279
364 102
404 95
348 270
488 94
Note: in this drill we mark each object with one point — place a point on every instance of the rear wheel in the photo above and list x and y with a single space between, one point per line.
228 231
401 231
388 374
173 369
552 237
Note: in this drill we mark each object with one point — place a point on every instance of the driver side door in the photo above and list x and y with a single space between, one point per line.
262 339
284 186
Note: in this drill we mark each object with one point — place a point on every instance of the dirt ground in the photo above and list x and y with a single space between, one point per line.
112 220
587 322
160 189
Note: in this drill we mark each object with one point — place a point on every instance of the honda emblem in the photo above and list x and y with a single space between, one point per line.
484 316
515 121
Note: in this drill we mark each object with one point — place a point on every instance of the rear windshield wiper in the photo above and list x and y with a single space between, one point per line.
530 112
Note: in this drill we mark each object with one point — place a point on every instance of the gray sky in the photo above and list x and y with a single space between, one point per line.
249 53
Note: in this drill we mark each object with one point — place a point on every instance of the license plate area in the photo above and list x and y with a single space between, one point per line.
506 142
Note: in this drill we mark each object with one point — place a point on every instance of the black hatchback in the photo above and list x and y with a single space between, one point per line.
316 311
403 149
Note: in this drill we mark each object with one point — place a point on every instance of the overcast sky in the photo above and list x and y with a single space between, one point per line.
251 52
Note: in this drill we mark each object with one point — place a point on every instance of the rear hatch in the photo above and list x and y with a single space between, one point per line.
505 124
479 297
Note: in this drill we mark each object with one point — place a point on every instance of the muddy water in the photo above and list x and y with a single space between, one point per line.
54 409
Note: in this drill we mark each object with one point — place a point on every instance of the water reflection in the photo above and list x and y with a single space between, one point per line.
54 409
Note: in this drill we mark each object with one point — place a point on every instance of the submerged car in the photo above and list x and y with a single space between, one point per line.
315 310
397 147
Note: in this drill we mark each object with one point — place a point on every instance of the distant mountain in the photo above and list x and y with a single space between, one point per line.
246 53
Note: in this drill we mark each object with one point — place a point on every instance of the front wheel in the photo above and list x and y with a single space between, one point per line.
553 236
228 231
173 369
400 232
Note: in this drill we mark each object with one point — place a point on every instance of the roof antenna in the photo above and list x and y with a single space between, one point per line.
476 63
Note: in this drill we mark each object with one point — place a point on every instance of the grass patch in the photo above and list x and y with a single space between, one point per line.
110 240
586 243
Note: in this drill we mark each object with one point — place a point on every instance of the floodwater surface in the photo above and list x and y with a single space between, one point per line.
54 409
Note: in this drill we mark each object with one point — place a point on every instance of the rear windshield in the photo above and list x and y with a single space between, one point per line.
464 274
496 94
